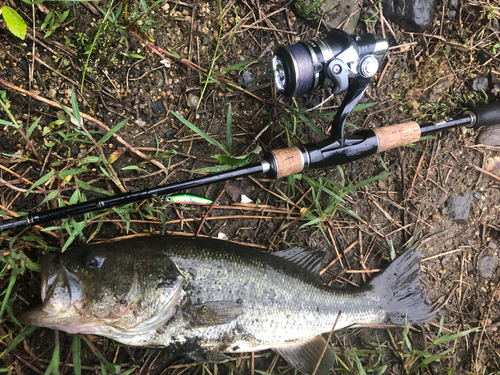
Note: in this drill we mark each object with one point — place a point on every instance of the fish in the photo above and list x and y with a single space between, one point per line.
208 298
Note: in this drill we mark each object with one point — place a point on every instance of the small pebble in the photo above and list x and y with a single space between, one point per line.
169 133
246 77
451 14
487 265
158 107
436 218
480 83
490 136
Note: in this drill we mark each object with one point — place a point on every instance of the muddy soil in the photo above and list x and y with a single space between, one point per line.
432 194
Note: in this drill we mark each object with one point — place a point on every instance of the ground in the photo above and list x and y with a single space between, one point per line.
128 68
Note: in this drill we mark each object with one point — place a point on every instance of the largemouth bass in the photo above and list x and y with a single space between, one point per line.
208 297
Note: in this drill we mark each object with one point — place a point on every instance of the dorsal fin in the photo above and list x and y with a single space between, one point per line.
305 257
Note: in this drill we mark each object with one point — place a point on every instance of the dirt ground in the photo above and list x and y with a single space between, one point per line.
424 77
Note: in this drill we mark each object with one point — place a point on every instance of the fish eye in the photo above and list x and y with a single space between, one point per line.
94 262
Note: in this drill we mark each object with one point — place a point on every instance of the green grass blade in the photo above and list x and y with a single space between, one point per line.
309 123
49 197
112 131
198 131
77 360
86 186
73 230
369 181
54 362
32 127
348 212
229 131
452 337
134 168
74 106
129 371
12 281
40 181
24 333
240 65
71 172
114 369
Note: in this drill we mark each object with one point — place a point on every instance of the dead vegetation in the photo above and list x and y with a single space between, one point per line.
140 62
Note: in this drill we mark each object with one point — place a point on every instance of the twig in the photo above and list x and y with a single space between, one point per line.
326 344
268 28
410 191
214 203
55 71
336 259
485 172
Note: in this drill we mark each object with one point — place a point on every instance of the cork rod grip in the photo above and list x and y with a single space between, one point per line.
288 161
390 137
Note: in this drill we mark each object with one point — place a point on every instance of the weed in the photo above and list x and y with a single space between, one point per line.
362 361
415 360
309 9
53 20
442 109
14 21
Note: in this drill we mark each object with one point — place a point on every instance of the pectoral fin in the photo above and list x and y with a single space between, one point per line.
305 356
207 356
213 313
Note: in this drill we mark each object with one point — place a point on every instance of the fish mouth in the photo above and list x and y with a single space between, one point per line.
62 298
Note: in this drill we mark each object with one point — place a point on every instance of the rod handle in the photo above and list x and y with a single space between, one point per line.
393 136
285 161
486 115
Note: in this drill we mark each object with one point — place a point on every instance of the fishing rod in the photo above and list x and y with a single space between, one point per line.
347 63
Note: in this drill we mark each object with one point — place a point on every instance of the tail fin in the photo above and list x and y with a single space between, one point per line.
397 288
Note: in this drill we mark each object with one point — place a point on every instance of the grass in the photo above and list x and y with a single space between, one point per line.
68 179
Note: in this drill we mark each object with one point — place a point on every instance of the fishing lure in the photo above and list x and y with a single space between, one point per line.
188 199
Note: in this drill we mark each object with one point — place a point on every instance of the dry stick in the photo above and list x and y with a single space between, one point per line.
485 172
334 243
19 176
336 259
27 363
55 71
266 17
214 203
191 220
268 28
416 174
327 343
86 117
